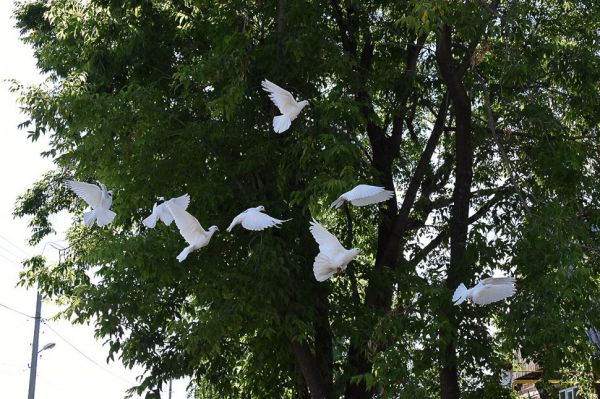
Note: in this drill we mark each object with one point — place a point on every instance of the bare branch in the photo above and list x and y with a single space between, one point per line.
492 129
402 218
482 211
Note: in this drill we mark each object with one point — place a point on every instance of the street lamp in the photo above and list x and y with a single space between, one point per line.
34 349
49 345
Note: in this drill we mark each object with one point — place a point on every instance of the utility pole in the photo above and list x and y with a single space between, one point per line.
34 346
170 388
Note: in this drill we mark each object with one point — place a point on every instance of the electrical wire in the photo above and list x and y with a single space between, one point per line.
61 250
11 261
10 252
14 245
17 311
45 322
86 356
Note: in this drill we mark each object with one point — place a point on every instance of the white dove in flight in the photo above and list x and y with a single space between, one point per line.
333 257
362 195
253 219
486 291
98 198
286 103
190 230
160 211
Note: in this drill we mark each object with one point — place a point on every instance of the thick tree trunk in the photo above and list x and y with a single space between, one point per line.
324 342
310 369
379 290
314 357
459 221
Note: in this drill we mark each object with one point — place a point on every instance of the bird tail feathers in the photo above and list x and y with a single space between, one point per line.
150 221
337 203
104 216
281 123
231 226
89 218
322 268
460 294
184 254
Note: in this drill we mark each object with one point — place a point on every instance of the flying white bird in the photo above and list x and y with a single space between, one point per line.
160 211
253 219
190 230
286 103
486 291
98 198
362 195
333 257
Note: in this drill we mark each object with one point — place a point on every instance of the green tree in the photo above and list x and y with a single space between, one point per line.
482 116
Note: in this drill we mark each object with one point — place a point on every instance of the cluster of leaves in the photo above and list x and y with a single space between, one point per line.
163 98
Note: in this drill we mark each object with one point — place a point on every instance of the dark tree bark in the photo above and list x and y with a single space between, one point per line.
310 369
324 343
396 222
459 220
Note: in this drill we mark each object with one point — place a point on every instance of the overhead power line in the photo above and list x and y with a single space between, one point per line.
17 311
25 253
11 261
106 370
9 251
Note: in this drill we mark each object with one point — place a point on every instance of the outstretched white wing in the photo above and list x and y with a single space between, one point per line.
165 215
256 221
328 243
487 294
90 193
183 202
364 194
283 99
188 226
498 281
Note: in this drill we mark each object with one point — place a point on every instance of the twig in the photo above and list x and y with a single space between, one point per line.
349 239
349 232
492 129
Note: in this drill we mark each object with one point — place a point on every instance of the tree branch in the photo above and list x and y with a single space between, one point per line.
402 219
452 77
482 211
492 129
412 55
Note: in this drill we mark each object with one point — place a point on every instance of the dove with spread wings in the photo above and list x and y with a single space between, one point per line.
98 198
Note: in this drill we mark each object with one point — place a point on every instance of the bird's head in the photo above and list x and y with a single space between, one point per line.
260 208
354 251
303 104
110 193
160 200
212 229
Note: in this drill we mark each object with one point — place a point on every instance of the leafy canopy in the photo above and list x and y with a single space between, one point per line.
161 98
